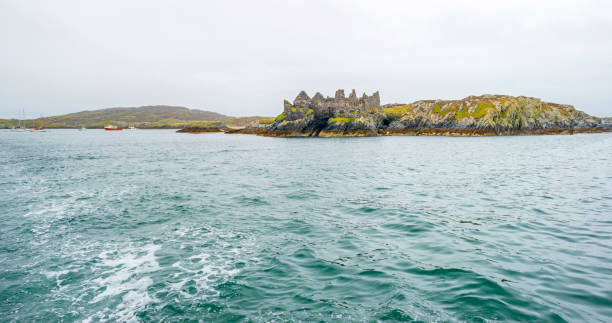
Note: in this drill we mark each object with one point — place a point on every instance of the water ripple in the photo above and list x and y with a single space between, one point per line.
159 226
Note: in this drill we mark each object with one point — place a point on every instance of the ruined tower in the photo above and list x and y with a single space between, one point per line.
327 107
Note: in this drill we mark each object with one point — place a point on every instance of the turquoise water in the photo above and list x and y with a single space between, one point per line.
154 225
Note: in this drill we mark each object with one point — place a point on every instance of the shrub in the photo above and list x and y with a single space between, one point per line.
280 117
341 120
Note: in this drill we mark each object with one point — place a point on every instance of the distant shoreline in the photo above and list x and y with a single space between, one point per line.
64 128
442 132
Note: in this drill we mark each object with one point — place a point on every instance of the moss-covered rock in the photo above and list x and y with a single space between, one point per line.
479 115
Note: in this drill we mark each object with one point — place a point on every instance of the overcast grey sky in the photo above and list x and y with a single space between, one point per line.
245 57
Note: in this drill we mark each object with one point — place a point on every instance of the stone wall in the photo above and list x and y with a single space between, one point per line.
327 107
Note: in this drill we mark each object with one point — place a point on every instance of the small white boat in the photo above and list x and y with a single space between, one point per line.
21 124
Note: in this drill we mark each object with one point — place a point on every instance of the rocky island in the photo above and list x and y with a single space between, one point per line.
200 130
472 116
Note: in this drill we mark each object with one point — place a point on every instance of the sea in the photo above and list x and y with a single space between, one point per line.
153 225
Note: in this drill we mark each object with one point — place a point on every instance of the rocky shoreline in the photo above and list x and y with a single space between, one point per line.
417 132
200 130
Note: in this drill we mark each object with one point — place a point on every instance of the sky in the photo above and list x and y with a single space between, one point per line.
244 57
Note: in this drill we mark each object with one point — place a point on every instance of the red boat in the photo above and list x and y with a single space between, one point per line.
111 127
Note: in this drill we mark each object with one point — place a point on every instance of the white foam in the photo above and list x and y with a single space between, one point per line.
55 275
216 263
126 274
126 271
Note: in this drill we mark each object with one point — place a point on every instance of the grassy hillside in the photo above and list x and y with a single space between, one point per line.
489 112
142 117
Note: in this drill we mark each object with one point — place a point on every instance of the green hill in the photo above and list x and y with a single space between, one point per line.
158 116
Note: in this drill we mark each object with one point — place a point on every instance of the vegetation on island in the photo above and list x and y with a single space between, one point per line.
341 119
398 110
280 117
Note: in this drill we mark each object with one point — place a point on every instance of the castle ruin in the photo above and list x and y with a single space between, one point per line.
327 107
